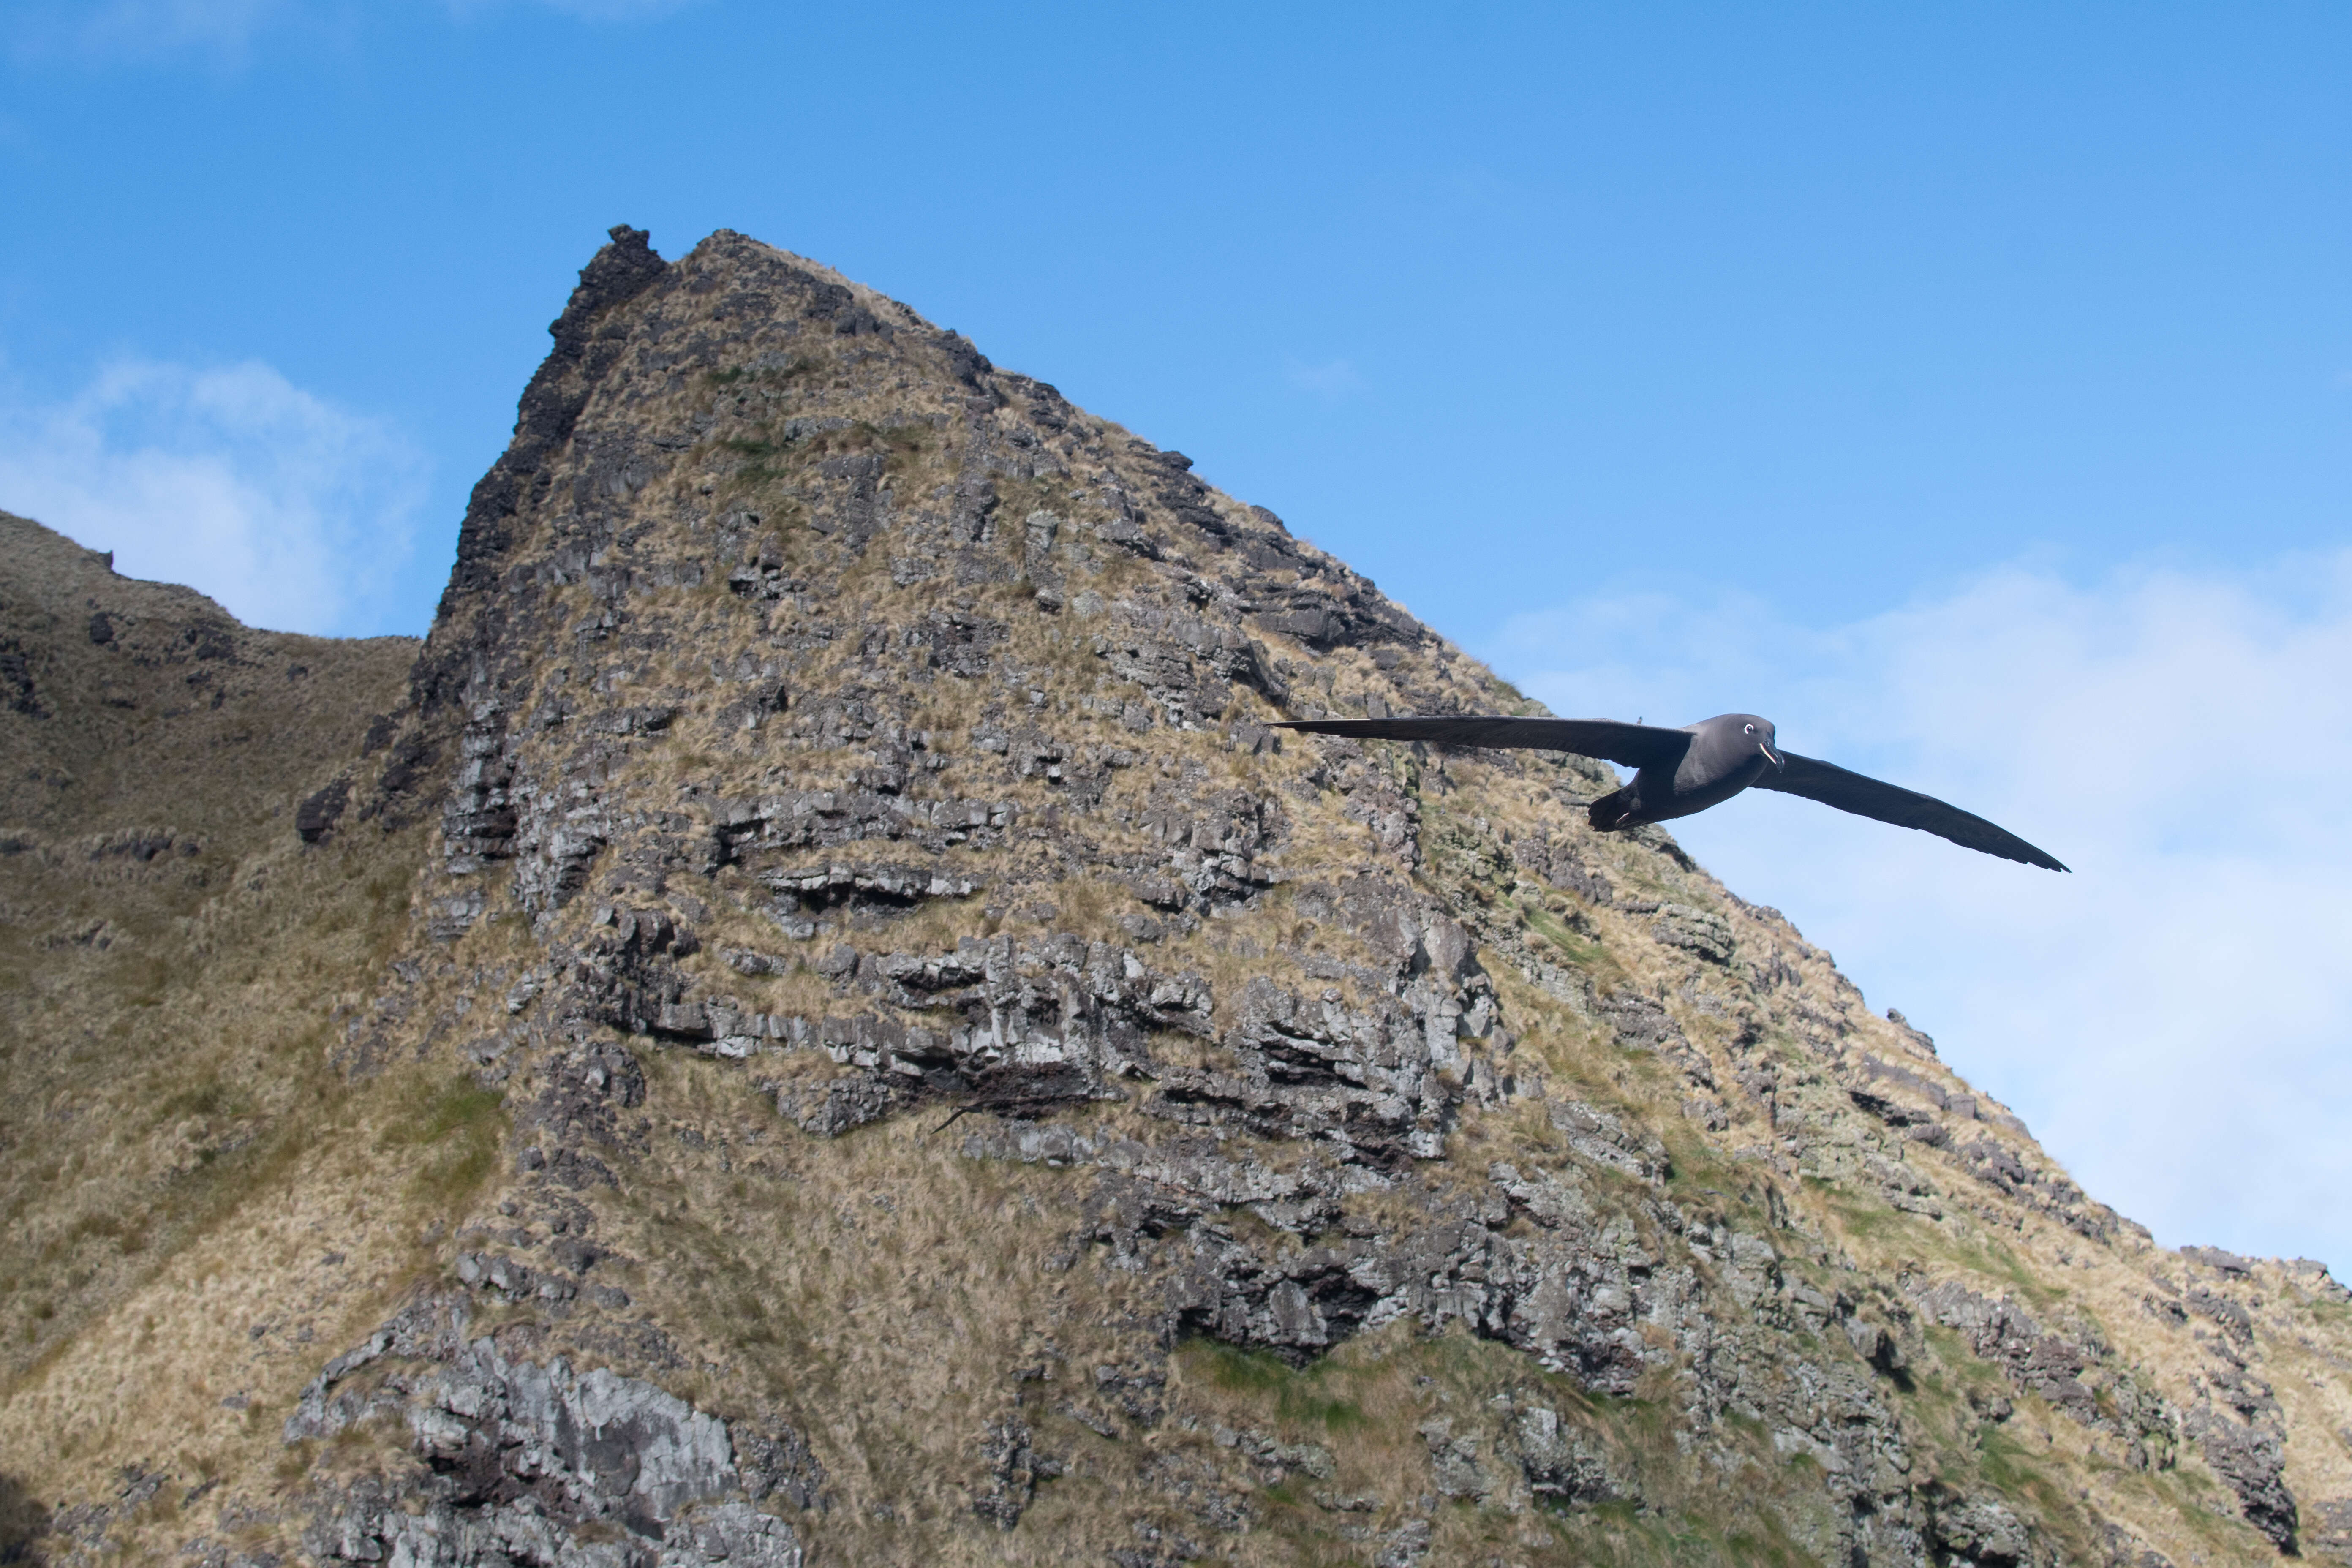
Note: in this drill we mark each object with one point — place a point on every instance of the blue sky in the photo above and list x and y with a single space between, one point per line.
1958 384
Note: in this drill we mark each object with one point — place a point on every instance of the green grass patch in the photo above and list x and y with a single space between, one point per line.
1892 1229
457 1128
210 1097
755 446
1621 1535
762 375
1299 1394
1580 951
2336 1315
2021 1476
898 444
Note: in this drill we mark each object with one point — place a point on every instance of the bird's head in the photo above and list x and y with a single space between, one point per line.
1758 732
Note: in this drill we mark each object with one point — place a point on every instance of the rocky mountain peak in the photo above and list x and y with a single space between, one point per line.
881 1051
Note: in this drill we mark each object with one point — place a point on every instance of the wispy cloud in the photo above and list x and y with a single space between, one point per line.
580 10
219 32
292 512
616 10
2175 1018
222 34
1333 378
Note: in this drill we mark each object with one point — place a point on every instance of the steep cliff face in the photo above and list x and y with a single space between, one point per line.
886 1056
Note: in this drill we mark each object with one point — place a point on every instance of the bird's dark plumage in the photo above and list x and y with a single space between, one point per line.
1633 745
1865 796
1679 772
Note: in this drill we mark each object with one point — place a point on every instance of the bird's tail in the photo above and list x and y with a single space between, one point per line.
1611 809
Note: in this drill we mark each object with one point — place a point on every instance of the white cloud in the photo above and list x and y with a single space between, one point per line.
2174 1018
293 513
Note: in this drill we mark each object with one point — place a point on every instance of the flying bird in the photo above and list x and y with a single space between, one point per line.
1679 772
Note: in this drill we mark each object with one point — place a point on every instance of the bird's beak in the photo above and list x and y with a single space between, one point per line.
1770 758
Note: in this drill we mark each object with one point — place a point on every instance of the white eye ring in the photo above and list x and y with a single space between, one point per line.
1748 729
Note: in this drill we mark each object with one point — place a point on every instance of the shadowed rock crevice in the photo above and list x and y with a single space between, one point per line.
22 1522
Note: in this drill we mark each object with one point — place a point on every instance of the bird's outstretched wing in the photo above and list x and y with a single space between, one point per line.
1635 745
1833 785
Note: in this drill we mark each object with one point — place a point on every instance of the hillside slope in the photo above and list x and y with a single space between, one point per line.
823 1025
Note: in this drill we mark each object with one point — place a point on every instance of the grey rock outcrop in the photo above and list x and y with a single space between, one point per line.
525 1462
